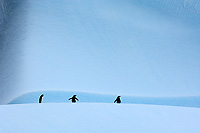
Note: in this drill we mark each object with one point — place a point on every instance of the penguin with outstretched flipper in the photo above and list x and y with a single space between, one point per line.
74 99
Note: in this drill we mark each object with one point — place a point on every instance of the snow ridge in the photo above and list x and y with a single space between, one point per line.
63 96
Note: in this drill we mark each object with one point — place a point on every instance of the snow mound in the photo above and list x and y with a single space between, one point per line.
98 118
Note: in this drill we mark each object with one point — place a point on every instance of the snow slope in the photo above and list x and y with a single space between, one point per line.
98 118
126 47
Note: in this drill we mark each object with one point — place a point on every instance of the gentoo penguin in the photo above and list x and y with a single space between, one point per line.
74 98
118 100
41 98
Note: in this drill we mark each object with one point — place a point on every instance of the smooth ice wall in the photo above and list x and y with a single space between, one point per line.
12 31
138 48
3 13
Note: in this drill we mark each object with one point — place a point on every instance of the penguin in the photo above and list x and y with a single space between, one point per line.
41 98
74 99
118 100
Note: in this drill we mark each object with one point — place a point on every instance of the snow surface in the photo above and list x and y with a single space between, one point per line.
98 118
118 47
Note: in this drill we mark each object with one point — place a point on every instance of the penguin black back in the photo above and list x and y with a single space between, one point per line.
41 98
118 100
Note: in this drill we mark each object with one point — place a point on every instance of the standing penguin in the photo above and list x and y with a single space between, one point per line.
41 98
118 100
74 98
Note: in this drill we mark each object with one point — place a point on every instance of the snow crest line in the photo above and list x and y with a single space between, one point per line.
63 96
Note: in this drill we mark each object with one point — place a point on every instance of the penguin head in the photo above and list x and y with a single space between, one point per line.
119 96
74 95
42 95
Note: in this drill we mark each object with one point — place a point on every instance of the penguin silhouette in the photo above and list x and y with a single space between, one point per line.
41 98
74 99
118 100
